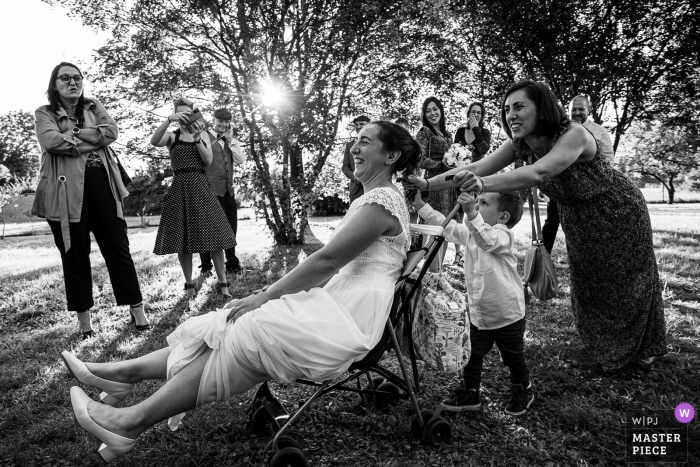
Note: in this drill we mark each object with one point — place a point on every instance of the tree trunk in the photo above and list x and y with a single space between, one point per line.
671 190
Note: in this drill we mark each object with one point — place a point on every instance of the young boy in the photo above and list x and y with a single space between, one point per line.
495 289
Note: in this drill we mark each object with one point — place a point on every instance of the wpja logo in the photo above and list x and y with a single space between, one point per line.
653 436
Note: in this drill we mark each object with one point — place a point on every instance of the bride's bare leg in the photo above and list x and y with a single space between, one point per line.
149 366
177 395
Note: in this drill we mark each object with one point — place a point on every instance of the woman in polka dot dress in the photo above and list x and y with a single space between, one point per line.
192 219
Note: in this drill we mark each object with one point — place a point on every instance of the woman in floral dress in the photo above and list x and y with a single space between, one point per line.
435 141
615 289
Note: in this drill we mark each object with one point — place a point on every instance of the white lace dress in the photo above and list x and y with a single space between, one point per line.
316 334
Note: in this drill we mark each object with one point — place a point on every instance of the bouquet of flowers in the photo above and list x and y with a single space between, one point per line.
457 156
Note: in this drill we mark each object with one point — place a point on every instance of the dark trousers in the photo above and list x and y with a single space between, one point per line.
510 343
228 204
99 216
551 225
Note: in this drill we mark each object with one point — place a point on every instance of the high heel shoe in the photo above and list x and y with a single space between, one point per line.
113 446
139 327
114 392
190 291
221 285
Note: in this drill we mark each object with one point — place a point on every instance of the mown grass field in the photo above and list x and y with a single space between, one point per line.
577 418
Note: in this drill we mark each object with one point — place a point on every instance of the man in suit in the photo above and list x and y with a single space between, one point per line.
226 151
356 189
579 109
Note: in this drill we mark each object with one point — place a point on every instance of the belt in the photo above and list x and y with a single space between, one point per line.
190 170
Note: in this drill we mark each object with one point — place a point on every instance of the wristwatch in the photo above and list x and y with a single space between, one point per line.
76 131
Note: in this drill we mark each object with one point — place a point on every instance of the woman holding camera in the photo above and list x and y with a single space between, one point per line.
81 191
192 219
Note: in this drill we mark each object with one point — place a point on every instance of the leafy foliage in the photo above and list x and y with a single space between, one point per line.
19 151
317 56
620 53
660 151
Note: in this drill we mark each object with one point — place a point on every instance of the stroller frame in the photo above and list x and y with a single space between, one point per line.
428 425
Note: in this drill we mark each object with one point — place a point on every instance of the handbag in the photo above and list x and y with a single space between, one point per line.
441 325
538 273
126 180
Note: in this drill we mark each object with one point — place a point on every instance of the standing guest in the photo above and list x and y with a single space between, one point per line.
192 219
355 188
473 134
496 296
478 140
226 151
435 141
81 191
579 110
615 290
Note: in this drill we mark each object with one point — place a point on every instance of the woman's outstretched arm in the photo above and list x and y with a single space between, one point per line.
355 236
569 147
501 158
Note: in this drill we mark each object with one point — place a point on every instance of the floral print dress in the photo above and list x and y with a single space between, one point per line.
615 288
433 148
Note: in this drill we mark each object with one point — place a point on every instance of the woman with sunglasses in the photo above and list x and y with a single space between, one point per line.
80 191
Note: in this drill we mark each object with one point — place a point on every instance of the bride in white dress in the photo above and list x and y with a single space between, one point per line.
313 323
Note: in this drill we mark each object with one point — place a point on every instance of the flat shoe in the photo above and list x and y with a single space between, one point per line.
114 392
114 446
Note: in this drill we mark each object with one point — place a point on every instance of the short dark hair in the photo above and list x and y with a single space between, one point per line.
361 118
424 119
402 121
483 112
52 92
585 99
550 112
397 138
511 203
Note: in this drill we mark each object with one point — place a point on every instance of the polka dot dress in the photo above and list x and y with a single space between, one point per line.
192 219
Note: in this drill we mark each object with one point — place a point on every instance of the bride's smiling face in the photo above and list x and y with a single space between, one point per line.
369 153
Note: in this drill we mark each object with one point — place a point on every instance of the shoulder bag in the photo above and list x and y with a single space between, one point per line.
538 273
126 180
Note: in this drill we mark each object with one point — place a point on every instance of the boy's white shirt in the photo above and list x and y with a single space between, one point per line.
495 289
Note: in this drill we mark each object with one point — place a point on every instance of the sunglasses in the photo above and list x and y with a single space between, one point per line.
77 79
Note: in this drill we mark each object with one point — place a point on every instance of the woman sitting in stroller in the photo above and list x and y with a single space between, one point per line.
313 323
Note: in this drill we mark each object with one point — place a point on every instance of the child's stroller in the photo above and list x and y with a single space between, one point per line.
266 411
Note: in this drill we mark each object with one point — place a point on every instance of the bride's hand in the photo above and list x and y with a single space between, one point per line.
245 305
411 181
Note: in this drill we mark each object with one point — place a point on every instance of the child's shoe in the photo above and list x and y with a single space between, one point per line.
463 400
520 399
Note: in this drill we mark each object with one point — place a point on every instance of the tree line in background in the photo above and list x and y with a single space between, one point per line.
326 60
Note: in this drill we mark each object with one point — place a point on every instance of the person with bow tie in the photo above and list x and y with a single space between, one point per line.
226 151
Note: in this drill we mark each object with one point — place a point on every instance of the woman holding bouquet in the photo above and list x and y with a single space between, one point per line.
435 142
473 135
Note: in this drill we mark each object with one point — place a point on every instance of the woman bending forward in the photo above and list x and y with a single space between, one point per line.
313 323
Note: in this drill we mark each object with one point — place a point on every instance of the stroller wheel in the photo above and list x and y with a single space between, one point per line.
260 421
437 432
426 415
282 442
377 380
289 457
383 401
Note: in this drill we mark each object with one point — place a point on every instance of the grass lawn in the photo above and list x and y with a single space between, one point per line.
578 416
